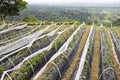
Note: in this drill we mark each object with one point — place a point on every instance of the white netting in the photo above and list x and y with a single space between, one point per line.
13 28
22 42
23 35
60 51
2 26
30 44
27 58
40 51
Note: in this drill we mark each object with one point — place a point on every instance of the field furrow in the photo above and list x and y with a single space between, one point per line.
95 57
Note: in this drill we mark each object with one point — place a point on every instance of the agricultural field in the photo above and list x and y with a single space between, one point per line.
59 51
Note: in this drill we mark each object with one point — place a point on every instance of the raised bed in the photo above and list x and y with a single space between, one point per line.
116 42
106 71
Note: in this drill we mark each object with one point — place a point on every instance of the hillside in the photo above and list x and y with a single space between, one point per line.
60 13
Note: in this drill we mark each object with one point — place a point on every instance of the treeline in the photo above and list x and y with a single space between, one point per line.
53 14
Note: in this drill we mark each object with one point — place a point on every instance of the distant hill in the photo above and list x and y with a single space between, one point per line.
93 5
80 5
80 12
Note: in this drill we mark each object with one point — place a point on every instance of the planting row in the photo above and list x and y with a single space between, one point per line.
25 71
13 33
106 71
22 42
116 42
52 33
16 34
60 63
14 27
6 26
16 57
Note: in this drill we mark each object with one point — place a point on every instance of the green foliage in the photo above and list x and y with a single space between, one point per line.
70 14
55 14
62 37
69 20
11 7
1 70
21 77
24 70
56 43
89 23
30 18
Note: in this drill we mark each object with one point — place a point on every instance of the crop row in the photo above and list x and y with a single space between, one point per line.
15 34
6 26
106 71
38 61
14 59
50 52
57 68
116 42
18 44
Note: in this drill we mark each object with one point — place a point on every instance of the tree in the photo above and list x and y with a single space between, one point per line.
11 7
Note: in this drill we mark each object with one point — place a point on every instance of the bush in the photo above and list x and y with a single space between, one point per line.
117 22
30 18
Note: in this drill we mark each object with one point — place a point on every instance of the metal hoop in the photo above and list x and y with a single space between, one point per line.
57 69
109 68
67 58
45 57
31 65
8 75
10 61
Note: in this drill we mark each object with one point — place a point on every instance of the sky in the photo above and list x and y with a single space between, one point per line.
72 1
